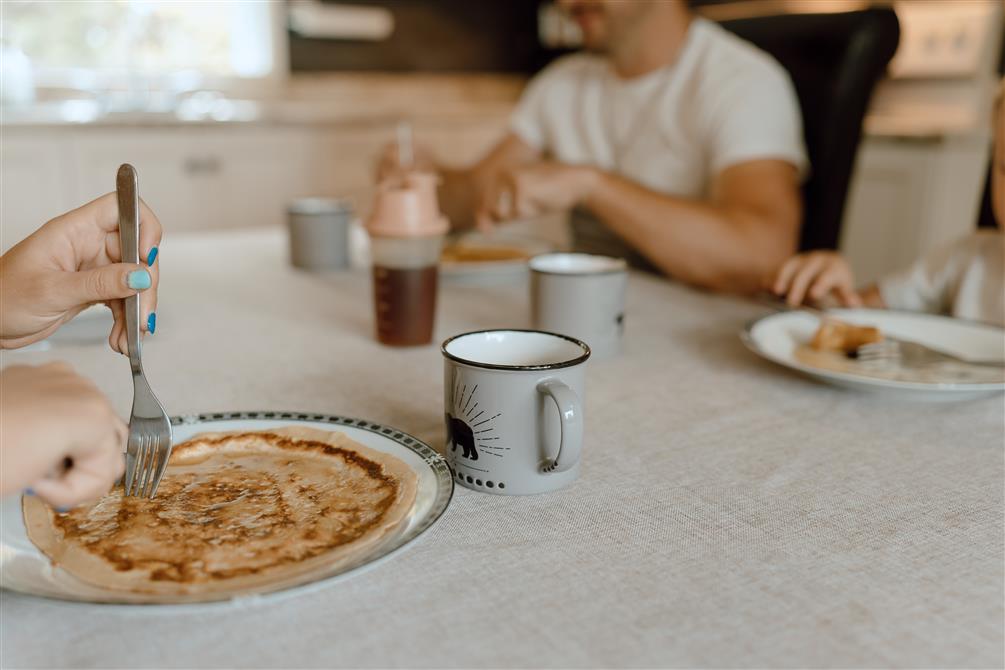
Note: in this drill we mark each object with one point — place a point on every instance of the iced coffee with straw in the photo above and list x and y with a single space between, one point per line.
406 235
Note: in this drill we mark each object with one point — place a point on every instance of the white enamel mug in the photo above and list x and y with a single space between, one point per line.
581 295
513 406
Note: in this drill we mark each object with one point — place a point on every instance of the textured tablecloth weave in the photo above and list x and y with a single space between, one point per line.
729 512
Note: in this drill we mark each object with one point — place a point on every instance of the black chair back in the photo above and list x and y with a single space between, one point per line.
986 216
835 61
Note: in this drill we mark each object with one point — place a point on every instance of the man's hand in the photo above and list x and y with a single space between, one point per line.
70 263
59 435
530 190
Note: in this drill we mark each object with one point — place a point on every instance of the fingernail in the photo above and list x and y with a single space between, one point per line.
138 279
62 510
29 492
152 322
152 256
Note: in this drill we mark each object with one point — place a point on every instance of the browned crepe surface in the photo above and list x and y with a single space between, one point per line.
234 512
465 253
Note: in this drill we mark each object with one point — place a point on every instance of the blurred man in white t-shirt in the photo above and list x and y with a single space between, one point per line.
678 144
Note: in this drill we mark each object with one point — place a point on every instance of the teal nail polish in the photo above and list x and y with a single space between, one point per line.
151 257
152 322
138 279
29 492
63 510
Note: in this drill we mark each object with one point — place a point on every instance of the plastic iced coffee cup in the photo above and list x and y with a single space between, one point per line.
406 235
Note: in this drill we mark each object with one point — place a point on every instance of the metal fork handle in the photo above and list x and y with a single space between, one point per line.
907 350
923 350
127 190
983 363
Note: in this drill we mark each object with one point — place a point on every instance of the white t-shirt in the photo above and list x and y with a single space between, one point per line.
965 279
722 102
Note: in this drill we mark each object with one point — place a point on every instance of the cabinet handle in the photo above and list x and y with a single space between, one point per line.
196 165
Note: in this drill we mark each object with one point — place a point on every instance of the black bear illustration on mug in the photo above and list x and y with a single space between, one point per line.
460 433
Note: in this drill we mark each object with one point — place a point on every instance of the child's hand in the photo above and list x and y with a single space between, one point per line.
812 276
61 435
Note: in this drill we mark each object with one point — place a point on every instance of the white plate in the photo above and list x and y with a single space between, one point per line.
492 272
24 568
777 336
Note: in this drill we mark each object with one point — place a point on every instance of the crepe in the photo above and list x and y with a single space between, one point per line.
467 253
235 512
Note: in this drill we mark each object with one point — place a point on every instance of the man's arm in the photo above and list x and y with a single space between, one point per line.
732 242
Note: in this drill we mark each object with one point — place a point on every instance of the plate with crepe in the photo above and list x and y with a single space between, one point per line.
817 347
253 505
478 258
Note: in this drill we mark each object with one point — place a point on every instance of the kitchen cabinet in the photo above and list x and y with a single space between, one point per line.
212 176
921 165
201 178
35 185
160 158
194 178
910 196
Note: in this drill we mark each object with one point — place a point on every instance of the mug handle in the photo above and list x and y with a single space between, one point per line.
570 412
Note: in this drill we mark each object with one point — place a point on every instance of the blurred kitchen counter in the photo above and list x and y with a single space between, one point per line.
211 161
318 100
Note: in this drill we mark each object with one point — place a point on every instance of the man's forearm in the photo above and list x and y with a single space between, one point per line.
710 245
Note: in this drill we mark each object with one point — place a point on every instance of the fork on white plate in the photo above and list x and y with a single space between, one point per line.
913 354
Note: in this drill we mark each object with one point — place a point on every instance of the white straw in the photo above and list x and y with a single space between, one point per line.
405 150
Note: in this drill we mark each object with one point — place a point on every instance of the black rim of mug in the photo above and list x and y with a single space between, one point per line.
493 366
622 268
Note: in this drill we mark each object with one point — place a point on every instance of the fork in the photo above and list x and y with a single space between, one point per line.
913 354
149 444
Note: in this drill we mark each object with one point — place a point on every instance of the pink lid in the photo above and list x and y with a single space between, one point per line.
408 207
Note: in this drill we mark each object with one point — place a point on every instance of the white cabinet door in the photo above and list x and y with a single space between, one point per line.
885 209
199 178
206 177
260 171
908 197
35 181
172 180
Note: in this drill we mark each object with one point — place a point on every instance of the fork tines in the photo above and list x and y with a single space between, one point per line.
146 467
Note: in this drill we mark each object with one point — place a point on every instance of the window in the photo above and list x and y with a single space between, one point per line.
161 44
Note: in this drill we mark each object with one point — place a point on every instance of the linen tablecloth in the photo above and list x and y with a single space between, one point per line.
729 512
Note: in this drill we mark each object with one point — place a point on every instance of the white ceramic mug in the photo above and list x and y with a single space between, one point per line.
581 295
513 405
